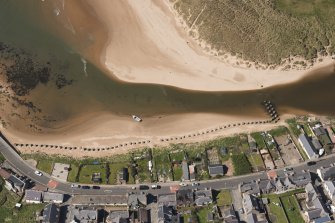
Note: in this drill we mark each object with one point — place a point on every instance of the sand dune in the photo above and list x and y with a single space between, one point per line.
147 44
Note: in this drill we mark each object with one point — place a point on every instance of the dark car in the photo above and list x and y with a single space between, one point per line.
96 187
311 163
85 187
144 187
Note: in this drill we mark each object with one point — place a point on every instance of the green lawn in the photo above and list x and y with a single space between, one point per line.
177 172
241 164
256 161
45 165
279 131
143 170
202 214
293 127
224 198
74 168
291 207
259 139
86 172
277 214
114 169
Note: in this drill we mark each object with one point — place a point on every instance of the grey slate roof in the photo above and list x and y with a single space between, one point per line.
184 196
186 173
320 131
53 197
215 169
167 199
33 195
203 197
317 145
167 215
328 173
307 146
331 186
51 214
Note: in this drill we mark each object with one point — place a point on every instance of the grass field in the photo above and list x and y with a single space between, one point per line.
263 31
256 161
74 168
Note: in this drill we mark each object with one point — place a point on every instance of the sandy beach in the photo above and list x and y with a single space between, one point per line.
105 131
148 44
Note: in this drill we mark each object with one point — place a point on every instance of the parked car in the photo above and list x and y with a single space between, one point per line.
75 185
155 186
96 187
133 188
85 187
183 184
38 173
311 163
288 169
144 187
194 184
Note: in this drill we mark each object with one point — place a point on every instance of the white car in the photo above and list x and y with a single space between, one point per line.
38 173
75 186
194 184
183 184
133 187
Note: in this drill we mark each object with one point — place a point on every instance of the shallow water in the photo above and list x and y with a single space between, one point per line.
93 91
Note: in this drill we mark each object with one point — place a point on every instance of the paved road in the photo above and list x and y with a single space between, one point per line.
25 169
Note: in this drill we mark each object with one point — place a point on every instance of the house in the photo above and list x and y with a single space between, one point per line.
307 146
83 214
329 187
50 197
167 200
184 197
118 217
315 206
301 179
229 215
215 170
191 169
186 173
326 173
12 182
123 175
136 201
316 143
203 197
167 215
250 188
50 214
323 136
254 209
144 215
33 197
266 186
96 178
331 134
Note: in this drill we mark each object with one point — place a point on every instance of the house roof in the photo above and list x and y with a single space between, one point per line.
184 196
167 214
317 145
301 179
33 195
215 169
313 213
51 213
118 216
135 200
83 214
16 181
167 199
203 197
327 173
319 131
49 197
331 186
307 145
186 173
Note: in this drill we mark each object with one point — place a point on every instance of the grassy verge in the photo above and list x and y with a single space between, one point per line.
45 165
